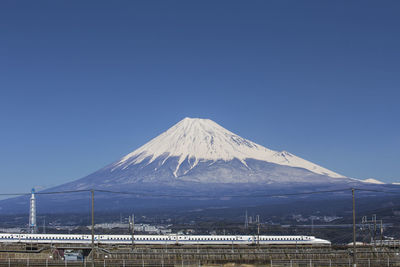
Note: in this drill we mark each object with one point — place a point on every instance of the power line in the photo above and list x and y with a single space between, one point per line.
377 191
63 192
15 194
203 196
223 196
44 193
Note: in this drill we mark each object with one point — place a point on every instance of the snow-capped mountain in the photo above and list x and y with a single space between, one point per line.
372 181
201 151
201 140
196 157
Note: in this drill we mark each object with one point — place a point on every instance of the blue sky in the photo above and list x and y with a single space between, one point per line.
83 83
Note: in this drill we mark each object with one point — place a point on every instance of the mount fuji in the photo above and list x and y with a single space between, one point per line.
200 157
201 151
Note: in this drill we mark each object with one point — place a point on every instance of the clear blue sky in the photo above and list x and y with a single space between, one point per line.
83 83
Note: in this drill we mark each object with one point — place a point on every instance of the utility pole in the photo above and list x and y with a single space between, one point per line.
92 191
381 233
246 221
374 221
354 230
132 226
312 225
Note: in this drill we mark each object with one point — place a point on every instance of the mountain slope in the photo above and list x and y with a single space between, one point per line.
202 140
195 157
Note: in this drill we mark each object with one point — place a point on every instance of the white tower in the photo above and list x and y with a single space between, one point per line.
32 214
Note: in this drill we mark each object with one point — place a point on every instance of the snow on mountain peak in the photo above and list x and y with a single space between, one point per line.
202 140
372 181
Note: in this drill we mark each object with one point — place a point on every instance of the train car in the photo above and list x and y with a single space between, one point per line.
163 239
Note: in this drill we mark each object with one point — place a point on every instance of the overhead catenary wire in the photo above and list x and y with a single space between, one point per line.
15 194
377 191
222 196
143 194
63 192
44 193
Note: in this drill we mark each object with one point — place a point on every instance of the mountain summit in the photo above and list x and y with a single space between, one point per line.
196 153
195 157
199 140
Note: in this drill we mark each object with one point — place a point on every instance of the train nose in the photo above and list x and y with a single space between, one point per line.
322 241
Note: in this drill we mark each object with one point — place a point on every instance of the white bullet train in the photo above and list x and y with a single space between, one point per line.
172 239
